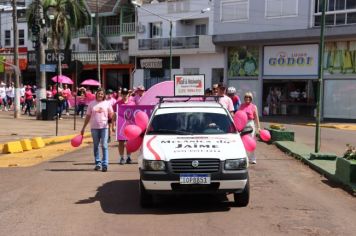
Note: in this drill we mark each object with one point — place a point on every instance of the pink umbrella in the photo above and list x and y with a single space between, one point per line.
90 82
165 88
62 79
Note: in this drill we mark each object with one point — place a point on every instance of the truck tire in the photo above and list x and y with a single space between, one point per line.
146 199
242 199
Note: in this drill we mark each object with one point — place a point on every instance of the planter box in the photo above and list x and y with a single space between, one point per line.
346 170
281 135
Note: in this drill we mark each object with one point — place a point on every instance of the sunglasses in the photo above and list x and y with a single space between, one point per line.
248 97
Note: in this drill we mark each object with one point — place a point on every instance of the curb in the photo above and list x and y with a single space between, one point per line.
35 143
304 154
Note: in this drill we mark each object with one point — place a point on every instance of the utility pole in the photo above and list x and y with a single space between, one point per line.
97 41
319 97
40 56
17 111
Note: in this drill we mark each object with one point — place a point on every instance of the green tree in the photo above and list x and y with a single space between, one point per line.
67 15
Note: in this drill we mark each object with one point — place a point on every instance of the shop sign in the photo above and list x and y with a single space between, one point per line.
51 57
157 63
149 63
189 85
243 61
293 60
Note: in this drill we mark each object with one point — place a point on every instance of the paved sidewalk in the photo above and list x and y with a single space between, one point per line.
12 129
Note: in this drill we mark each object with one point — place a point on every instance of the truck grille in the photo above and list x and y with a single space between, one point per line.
204 166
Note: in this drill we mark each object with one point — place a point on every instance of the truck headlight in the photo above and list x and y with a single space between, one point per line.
153 165
236 164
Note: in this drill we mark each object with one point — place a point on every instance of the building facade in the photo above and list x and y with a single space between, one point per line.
271 48
116 26
193 51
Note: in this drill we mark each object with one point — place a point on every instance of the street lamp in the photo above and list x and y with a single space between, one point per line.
202 11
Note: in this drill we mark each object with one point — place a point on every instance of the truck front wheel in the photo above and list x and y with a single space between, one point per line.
146 199
242 199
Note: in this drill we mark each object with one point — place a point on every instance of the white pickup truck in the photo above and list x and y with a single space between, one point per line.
193 147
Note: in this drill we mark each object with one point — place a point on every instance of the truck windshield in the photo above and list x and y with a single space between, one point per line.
186 123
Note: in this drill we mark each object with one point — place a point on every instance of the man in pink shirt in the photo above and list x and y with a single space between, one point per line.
225 101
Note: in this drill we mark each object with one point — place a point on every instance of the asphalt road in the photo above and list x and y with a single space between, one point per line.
64 196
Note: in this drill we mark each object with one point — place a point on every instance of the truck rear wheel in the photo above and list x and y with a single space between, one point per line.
146 199
242 199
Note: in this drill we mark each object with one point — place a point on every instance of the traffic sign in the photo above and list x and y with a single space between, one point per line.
48 67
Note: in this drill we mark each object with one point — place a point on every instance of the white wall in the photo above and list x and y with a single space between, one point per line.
205 63
161 9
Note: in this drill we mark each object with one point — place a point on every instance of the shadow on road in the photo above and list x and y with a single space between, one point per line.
122 197
59 170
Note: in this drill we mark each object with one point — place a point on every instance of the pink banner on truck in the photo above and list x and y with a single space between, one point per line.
126 116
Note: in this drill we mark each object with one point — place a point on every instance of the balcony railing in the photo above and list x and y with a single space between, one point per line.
90 57
126 29
163 43
87 31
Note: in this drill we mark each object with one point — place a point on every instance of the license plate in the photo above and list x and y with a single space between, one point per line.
194 179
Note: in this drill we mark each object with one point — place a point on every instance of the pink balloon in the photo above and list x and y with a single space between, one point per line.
77 140
134 144
132 131
240 120
141 119
249 143
265 135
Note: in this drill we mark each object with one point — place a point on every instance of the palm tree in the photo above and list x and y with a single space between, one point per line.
67 15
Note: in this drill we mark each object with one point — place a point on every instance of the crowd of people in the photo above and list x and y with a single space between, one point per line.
99 109
101 115
27 97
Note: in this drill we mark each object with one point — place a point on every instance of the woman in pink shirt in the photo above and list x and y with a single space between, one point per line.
99 114
28 100
125 100
253 120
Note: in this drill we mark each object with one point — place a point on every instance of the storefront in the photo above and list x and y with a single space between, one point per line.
289 80
340 79
156 69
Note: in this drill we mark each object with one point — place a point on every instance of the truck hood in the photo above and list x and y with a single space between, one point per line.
167 147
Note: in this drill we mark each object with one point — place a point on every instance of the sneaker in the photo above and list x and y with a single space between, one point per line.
254 161
128 160
97 168
67 113
122 161
105 168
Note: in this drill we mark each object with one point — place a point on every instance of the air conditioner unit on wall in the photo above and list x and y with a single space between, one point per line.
125 45
141 28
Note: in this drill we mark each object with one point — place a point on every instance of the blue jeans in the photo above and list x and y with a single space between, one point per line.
100 136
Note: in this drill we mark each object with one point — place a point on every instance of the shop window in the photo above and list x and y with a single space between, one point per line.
338 12
21 37
281 8
156 29
200 29
7 38
234 10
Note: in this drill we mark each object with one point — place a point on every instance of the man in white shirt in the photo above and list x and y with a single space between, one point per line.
225 101
3 95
